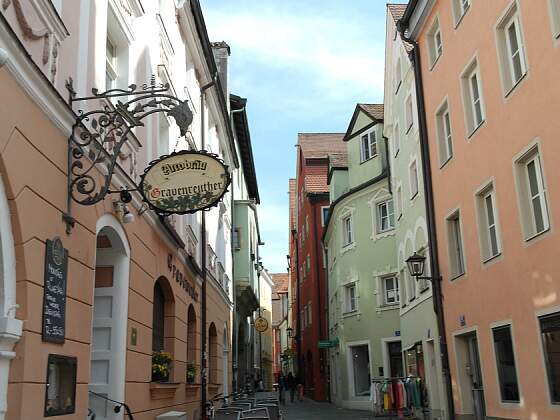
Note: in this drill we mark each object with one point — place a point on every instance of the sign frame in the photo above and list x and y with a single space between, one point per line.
205 153
56 265
264 322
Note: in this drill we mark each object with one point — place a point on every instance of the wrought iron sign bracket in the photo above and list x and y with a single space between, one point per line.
100 132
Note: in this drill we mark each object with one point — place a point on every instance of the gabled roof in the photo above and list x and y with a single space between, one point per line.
292 198
397 12
319 145
338 160
280 281
241 127
373 111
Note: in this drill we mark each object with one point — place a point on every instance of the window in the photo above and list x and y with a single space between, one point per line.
303 312
309 320
445 137
472 95
533 202
505 361
435 46
413 178
158 323
368 146
398 75
403 291
385 216
111 74
351 302
397 140
348 236
236 239
324 215
460 8
488 223
510 49
306 225
61 385
391 290
555 15
550 335
308 264
409 119
455 246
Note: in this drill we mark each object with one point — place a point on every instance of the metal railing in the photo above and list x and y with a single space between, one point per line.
118 406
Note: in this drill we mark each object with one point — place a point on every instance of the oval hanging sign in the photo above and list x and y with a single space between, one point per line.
184 182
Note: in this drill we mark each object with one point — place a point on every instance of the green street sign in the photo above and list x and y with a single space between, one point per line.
327 344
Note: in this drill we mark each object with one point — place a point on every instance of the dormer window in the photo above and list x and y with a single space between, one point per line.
368 146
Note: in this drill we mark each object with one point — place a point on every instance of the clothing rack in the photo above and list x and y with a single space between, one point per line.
380 408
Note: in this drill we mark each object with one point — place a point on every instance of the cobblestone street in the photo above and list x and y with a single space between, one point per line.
311 410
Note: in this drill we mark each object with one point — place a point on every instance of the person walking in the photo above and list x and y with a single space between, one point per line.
300 389
281 387
291 385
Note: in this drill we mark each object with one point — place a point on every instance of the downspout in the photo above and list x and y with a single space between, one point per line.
431 220
298 320
326 255
388 165
203 361
318 279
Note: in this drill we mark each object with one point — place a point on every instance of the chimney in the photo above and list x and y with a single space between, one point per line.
221 53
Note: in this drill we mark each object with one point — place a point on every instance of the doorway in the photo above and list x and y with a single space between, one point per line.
109 316
360 370
470 375
394 352
432 376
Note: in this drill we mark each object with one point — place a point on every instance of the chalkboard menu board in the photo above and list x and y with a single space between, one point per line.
54 294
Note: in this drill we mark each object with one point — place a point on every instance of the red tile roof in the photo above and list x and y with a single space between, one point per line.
375 111
338 160
397 12
281 282
316 183
319 145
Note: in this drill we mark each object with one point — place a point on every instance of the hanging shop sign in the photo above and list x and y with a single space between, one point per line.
327 344
261 324
184 182
54 292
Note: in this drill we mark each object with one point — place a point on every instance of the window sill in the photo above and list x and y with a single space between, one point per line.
398 87
397 153
445 162
491 258
456 276
389 306
163 390
461 18
535 236
414 196
512 88
399 218
409 128
475 130
367 160
435 62
350 313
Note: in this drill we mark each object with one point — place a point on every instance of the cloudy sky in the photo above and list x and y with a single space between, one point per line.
302 65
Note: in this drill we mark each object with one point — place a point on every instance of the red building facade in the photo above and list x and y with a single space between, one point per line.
310 316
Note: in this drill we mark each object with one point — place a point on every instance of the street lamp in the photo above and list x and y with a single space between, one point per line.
416 264
290 332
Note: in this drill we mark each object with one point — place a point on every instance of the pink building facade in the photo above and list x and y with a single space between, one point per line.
491 94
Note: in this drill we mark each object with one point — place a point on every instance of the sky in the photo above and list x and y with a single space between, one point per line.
303 65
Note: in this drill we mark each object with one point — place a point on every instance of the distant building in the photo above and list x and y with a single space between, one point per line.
281 342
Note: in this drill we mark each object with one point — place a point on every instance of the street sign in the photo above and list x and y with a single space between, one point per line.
327 344
261 324
184 182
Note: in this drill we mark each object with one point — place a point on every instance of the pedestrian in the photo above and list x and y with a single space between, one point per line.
291 385
281 387
300 390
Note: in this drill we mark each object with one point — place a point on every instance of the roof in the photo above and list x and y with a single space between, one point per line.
397 12
280 281
316 183
338 160
373 111
319 145
292 198
221 44
241 127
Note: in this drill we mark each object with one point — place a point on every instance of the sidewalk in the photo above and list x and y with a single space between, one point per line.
311 410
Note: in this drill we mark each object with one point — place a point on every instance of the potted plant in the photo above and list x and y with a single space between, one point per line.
161 366
191 373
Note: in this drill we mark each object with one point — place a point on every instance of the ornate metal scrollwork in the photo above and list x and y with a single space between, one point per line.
99 135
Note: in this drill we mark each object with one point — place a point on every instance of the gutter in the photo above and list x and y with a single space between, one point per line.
430 209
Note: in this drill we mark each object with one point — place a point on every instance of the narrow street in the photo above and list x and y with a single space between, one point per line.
311 410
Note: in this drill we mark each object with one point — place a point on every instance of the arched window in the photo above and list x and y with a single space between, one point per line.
158 324
191 335
212 354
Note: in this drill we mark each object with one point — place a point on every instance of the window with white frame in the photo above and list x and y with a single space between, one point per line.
111 68
385 216
460 8
398 75
488 223
409 118
396 139
533 201
391 294
368 146
435 45
511 49
444 134
347 233
350 298
455 245
555 17
413 179
472 96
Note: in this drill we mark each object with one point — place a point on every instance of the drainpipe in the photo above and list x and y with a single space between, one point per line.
326 255
203 361
298 321
388 165
317 271
430 219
